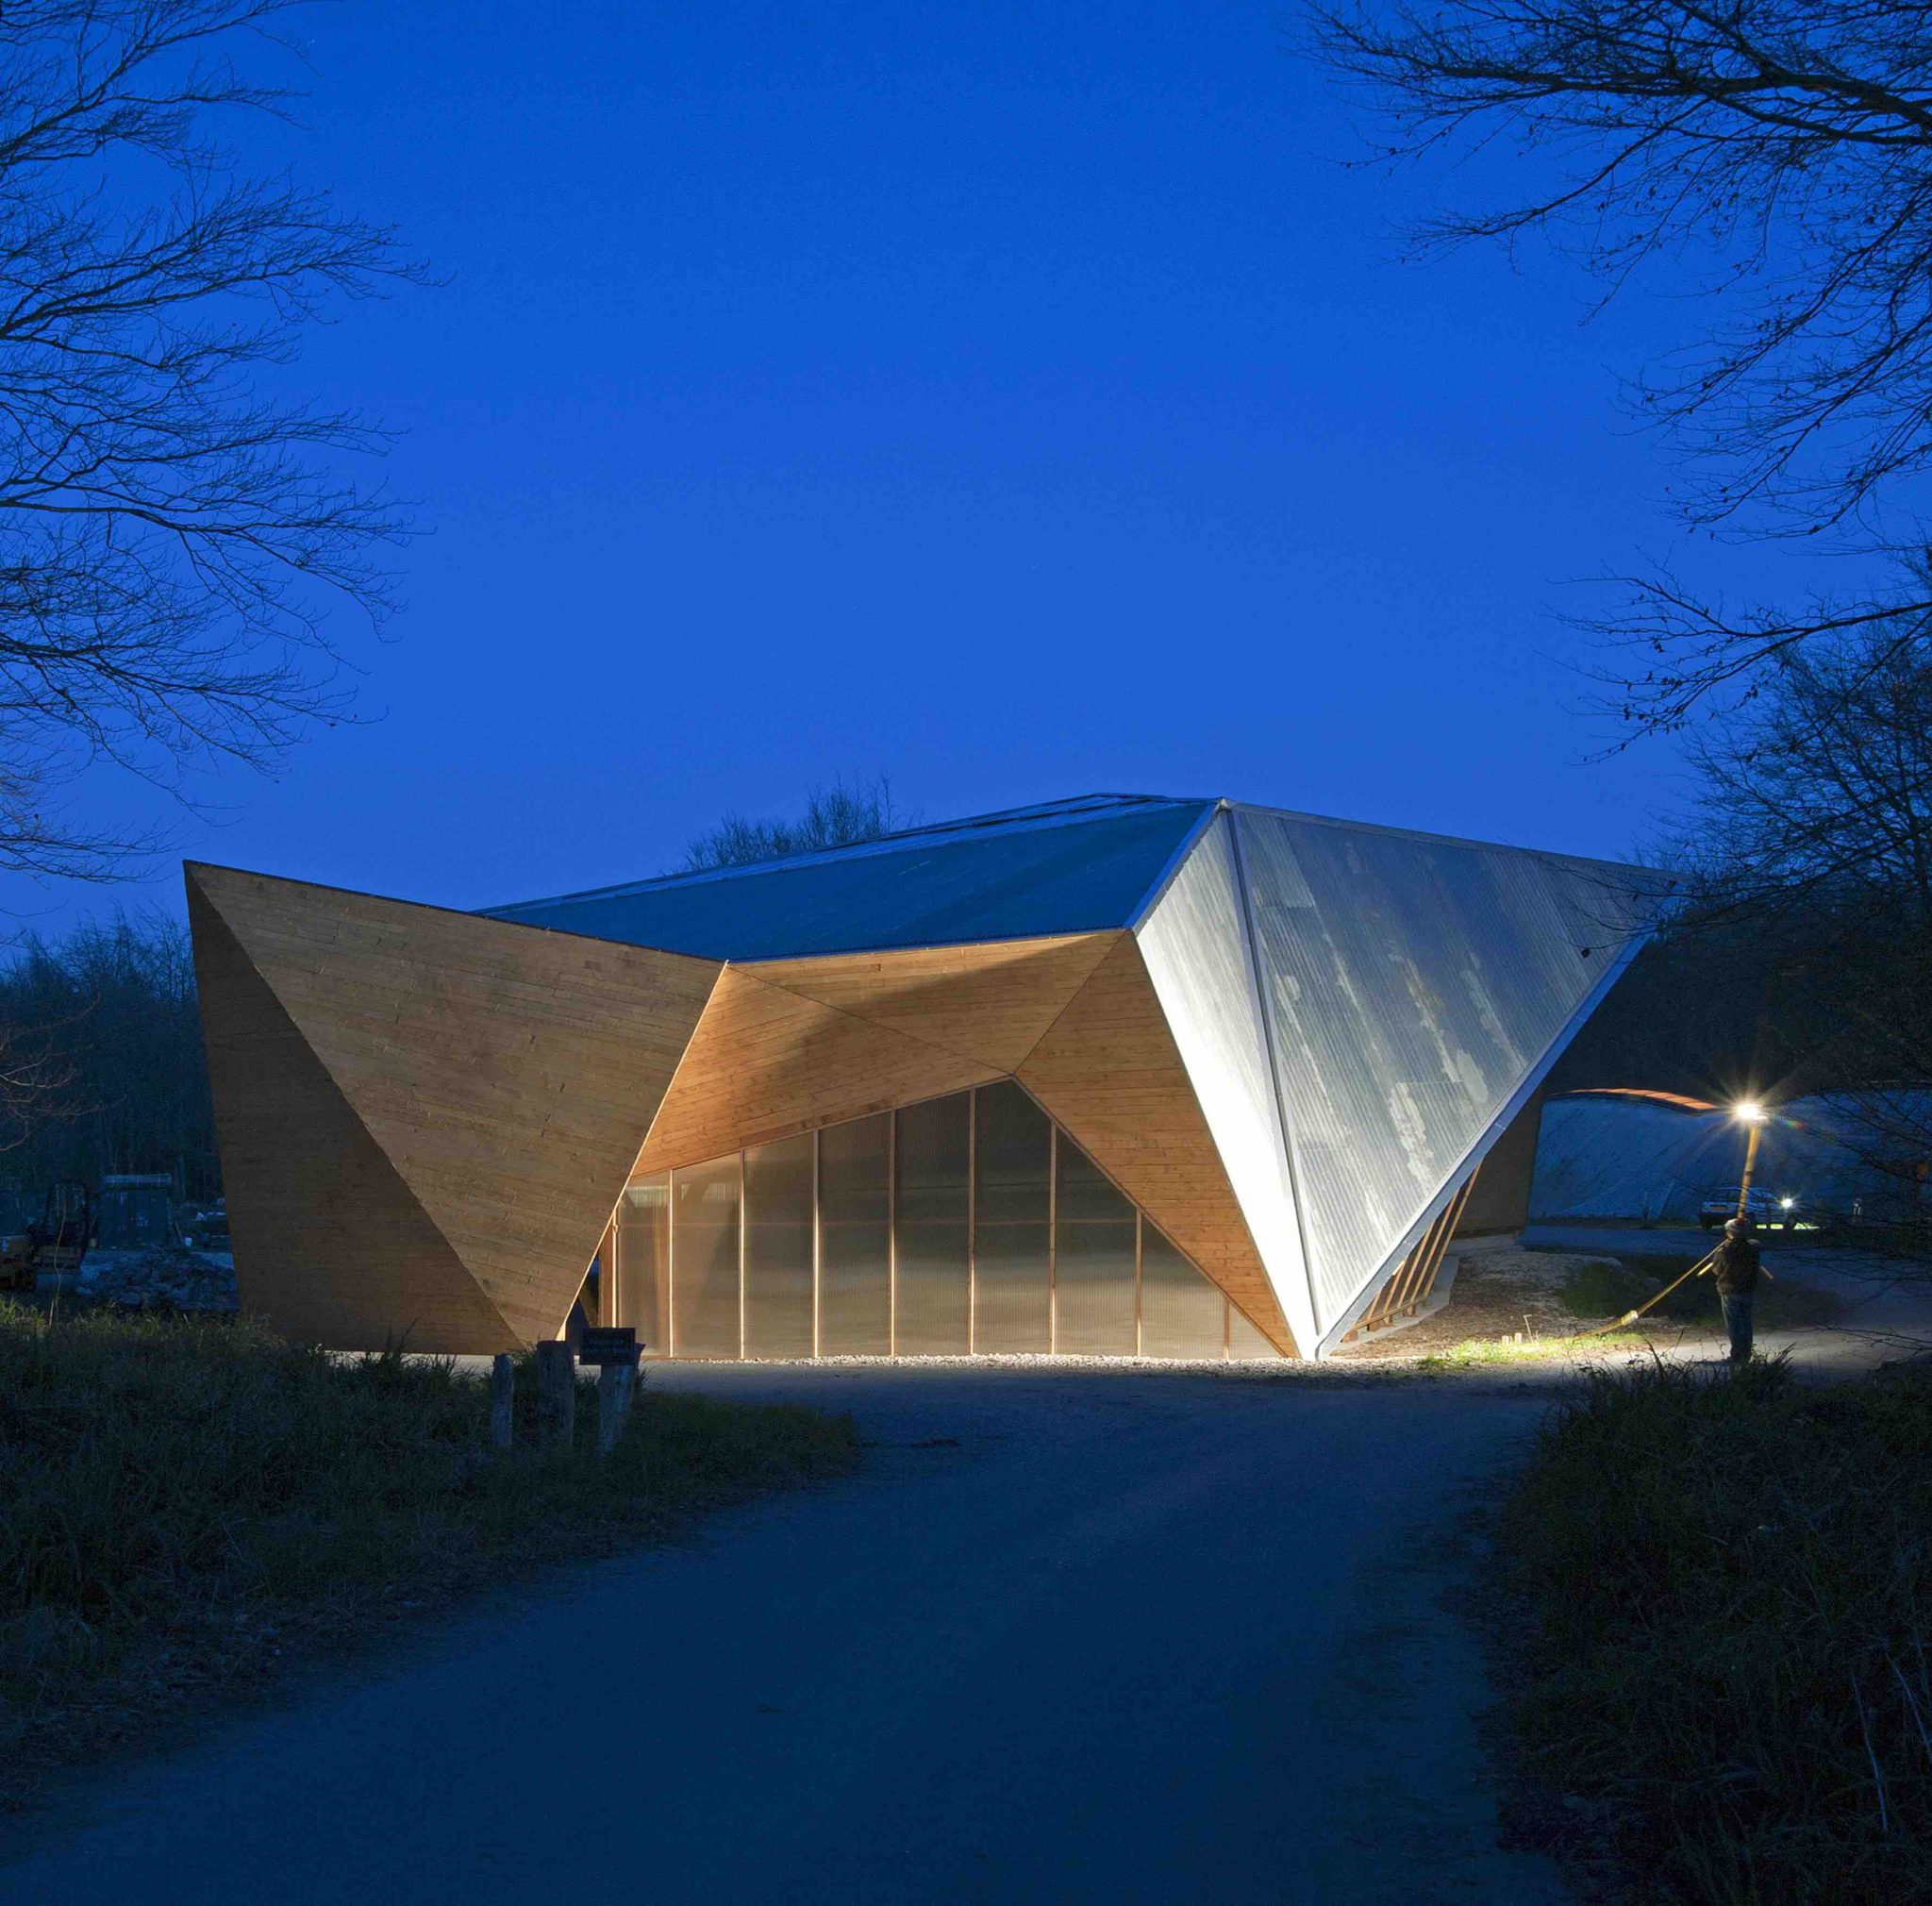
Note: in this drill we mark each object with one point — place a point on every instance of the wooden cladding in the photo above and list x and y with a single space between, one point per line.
1109 1072
767 1063
427 1117
329 1242
990 1003
1406 1293
505 1074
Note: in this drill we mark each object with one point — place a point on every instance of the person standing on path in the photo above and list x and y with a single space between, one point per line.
1736 1265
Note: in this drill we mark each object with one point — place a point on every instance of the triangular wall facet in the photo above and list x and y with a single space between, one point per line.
508 1074
1109 1073
1415 987
766 1063
1195 947
331 1244
990 1002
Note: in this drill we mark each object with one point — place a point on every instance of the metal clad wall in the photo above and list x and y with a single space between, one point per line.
1195 946
1411 985
1629 1157
1070 876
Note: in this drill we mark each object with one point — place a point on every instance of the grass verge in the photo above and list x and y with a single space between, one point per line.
184 1503
1606 1287
1720 1653
1603 1287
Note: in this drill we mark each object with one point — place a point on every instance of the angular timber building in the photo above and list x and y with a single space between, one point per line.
1115 1076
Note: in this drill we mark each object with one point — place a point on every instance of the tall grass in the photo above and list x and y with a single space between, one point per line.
182 1500
1729 1583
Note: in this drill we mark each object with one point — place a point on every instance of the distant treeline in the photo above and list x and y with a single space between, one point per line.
1711 1013
1815 993
103 1063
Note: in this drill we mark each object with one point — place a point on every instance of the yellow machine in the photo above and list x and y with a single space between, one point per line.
56 1243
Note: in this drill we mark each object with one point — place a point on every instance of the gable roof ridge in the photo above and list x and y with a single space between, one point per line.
1069 813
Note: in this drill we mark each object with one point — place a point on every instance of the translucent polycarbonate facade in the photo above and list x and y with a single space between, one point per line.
968 1225
1412 987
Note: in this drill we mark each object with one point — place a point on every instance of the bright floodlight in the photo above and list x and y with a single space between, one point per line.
1748 1112
1787 1203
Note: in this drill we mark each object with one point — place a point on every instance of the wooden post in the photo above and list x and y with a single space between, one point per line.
503 1401
616 1385
556 1396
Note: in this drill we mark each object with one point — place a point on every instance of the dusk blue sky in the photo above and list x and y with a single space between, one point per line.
1018 400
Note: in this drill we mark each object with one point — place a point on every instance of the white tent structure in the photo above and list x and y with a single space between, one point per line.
1625 1155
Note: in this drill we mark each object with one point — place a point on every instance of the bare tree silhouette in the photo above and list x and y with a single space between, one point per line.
171 532
1779 154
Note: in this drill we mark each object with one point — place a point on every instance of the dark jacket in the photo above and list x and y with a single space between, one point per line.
1736 1266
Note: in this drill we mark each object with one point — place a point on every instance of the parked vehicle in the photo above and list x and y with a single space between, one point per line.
57 1241
1767 1210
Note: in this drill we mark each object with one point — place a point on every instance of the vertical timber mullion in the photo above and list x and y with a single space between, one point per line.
971 1218
818 1250
892 1233
1052 1239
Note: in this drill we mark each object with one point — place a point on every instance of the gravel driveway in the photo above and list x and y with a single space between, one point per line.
1120 1634
1125 1637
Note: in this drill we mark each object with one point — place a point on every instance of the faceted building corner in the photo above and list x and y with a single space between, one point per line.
1121 1075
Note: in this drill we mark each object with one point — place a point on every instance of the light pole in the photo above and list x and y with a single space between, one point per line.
1750 1115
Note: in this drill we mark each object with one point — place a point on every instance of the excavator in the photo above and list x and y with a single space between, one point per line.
58 1242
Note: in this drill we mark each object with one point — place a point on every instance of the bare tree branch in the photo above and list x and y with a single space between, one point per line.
1780 152
171 537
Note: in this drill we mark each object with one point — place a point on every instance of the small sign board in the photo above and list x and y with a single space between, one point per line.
609 1343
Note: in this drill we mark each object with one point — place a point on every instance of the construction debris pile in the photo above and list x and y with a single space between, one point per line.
168 1278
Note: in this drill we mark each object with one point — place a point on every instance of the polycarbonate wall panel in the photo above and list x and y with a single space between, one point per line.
1411 986
1195 946
933 1227
643 1261
1243 1340
778 1247
1012 1231
1182 1314
1093 1261
959 1226
856 1238
705 1259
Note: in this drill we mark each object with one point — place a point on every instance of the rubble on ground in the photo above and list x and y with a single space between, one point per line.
172 1280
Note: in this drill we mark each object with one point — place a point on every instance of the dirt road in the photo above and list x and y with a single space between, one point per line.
1122 1637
